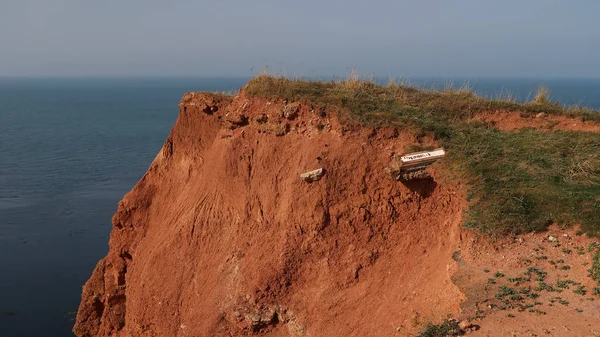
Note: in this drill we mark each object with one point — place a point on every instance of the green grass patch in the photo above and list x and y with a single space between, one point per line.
519 181
505 291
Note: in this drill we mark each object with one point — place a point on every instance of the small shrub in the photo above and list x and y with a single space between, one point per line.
517 279
537 311
447 328
516 297
562 284
544 286
505 291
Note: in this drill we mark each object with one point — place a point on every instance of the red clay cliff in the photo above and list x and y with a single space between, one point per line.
221 237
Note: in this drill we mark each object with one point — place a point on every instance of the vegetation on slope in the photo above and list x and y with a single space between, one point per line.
519 181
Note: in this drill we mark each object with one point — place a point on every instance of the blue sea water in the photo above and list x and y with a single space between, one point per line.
71 148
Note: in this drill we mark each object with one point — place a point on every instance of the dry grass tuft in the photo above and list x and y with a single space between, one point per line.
542 96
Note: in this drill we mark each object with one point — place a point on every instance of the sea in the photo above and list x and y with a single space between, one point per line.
70 148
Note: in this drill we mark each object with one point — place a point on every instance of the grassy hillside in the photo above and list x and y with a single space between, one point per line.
519 181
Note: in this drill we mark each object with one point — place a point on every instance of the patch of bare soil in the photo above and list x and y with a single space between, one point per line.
529 285
514 120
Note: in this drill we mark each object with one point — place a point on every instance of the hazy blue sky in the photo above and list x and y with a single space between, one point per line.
309 37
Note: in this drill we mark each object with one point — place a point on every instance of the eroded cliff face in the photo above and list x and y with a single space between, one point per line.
222 238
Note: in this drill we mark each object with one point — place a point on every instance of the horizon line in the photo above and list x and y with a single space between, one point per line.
315 77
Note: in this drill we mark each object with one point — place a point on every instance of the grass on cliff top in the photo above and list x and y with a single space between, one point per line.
519 181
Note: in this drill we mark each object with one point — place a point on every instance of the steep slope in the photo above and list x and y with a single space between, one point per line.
222 238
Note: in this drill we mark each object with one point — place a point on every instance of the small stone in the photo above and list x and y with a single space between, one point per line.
540 115
313 176
290 111
551 238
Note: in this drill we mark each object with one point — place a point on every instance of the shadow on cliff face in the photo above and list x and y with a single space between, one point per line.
424 187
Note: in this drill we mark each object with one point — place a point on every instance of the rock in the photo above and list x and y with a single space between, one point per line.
237 119
540 115
551 238
282 129
393 169
261 119
290 111
209 108
313 176
464 325
253 319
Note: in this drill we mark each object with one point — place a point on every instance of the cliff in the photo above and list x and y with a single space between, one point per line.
221 237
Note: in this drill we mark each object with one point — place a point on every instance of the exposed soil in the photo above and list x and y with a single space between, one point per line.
548 271
221 237
512 120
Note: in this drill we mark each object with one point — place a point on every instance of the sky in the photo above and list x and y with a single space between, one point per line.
441 38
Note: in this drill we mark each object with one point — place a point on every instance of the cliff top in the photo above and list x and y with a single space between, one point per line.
527 165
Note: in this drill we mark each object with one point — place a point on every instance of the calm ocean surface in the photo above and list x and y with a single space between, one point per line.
71 148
